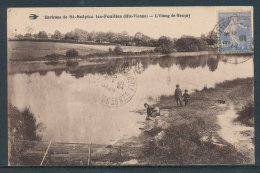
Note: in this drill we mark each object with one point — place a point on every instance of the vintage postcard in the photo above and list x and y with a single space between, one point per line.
130 86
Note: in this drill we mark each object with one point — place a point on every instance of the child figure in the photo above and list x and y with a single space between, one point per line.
186 97
151 112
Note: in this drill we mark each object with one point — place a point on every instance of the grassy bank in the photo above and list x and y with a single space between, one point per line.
188 135
27 50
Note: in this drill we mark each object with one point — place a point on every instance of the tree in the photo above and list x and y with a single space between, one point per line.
110 51
69 36
123 38
111 37
42 34
72 53
77 34
35 35
22 125
57 35
165 45
28 36
92 36
212 38
19 36
190 44
118 50
101 37
80 34
140 39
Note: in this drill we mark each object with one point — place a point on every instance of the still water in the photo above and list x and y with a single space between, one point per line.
68 102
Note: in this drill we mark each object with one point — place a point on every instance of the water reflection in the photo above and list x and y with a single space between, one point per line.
70 96
212 64
141 64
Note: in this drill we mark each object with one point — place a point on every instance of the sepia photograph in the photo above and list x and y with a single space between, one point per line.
139 86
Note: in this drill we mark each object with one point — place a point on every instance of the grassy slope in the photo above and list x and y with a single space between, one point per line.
27 49
177 141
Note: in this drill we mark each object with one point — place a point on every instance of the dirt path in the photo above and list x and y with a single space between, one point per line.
238 135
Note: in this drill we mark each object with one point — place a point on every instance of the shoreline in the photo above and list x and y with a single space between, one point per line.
94 57
179 133
57 64
57 58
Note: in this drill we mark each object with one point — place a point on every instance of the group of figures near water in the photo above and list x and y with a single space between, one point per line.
153 112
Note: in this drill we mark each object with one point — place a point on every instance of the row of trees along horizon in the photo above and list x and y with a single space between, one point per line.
164 44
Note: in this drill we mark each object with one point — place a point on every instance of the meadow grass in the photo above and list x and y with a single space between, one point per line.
30 50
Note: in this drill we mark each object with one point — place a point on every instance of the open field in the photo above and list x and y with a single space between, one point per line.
28 49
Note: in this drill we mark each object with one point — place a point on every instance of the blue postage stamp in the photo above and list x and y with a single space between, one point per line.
235 33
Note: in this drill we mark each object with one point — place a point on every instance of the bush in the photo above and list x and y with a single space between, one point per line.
22 125
246 115
72 53
118 50
110 50
165 49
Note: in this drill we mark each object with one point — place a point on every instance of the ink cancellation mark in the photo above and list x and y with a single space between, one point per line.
118 88
234 32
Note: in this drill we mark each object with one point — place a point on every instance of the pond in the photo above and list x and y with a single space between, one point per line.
67 100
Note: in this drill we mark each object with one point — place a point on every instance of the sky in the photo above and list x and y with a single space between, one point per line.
199 20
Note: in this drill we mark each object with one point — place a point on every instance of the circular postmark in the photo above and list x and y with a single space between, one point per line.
232 36
118 88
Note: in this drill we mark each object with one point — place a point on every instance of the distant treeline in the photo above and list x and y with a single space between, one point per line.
59 41
163 44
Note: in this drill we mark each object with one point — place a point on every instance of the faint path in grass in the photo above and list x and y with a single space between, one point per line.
238 135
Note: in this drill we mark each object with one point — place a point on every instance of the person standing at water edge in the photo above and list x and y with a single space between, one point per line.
186 97
178 95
